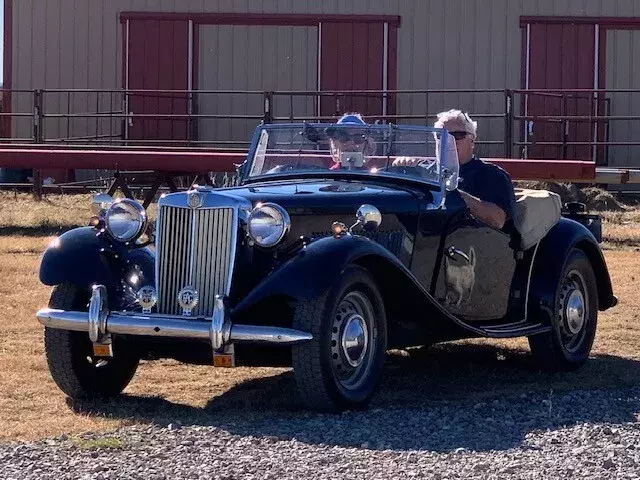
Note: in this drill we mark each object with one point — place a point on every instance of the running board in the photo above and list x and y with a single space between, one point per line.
516 329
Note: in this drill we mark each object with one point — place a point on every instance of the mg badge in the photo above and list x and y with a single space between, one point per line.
194 200
187 299
147 298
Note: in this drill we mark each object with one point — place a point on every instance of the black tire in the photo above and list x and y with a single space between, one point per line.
70 355
568 345
327 380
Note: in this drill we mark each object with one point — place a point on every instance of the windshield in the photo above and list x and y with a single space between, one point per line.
383 150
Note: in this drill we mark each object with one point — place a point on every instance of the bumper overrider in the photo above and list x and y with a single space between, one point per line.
100 323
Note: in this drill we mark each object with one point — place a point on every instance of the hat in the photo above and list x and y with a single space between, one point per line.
346 119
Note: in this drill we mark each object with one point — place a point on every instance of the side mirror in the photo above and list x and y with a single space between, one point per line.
100 203
369 217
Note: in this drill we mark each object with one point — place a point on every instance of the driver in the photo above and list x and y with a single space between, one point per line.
351 144
485 187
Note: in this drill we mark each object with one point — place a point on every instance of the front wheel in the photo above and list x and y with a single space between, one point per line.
340 368
70 355
567 346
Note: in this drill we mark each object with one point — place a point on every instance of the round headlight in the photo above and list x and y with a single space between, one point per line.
268 224
126 220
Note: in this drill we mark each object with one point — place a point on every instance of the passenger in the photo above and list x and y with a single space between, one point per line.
486 188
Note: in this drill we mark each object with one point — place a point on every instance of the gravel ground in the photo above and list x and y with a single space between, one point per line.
582 434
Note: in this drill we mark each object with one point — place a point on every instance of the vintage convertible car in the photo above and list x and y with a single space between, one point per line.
331 249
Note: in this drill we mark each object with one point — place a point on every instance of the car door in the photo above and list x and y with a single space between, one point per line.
476 269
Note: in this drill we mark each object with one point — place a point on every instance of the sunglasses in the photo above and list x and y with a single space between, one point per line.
345 137
459 135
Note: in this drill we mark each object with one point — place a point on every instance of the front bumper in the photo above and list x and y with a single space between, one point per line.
99 323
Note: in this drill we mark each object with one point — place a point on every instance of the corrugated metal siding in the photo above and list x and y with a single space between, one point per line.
453 44
260 58
623 72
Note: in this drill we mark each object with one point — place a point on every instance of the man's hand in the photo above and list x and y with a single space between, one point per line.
488 212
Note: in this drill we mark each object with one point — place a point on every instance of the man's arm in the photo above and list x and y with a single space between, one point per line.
488 212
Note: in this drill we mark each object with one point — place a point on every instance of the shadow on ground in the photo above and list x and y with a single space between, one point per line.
440 399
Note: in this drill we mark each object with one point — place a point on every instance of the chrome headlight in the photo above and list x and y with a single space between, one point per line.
268 224
126 220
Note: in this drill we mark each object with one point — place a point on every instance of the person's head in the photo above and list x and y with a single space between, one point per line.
462 128
351 139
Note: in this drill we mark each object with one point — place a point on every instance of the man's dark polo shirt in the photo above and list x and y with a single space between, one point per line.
489 183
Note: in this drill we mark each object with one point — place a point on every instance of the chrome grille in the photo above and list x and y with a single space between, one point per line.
195 247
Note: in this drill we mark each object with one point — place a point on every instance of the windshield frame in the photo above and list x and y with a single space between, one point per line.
244 176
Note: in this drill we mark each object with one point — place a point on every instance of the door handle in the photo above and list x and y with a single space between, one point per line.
452 251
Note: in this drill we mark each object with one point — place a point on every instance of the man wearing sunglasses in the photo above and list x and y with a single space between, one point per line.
485 187
351 141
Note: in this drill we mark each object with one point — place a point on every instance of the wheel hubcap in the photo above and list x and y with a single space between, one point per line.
354 340
574 312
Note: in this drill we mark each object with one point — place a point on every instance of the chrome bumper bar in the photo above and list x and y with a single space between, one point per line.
219 330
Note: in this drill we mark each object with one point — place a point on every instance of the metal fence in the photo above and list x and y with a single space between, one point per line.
559 124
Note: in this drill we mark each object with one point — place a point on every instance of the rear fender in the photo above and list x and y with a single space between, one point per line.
85 257
549 263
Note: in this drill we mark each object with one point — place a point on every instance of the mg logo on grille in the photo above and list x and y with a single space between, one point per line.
187 299
194 200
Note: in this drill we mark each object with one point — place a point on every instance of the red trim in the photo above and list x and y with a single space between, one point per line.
7 80
619 23
260 18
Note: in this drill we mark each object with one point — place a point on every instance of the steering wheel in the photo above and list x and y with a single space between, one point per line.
292 167
415 171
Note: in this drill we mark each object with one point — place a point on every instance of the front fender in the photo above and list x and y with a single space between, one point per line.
83 257
549 263
312 271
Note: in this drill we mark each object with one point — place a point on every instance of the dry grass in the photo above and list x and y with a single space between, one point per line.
166 391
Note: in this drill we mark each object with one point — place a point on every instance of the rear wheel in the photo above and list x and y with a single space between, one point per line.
70 354
341 367
568 345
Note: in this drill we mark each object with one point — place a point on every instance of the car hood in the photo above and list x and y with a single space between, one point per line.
330 196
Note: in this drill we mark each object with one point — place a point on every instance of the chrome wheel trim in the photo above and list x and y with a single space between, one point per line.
573 311
352 340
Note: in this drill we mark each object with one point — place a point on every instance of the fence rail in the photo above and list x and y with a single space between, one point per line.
210 117
552 124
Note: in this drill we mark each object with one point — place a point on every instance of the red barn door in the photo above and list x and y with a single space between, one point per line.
157 58
560 56
357 56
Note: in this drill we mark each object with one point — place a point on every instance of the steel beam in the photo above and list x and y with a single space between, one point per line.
219 162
